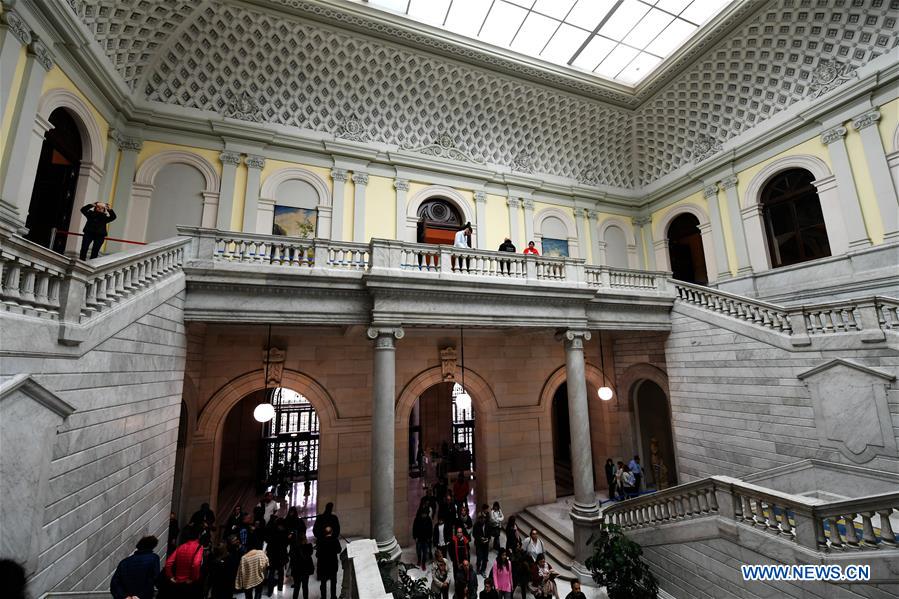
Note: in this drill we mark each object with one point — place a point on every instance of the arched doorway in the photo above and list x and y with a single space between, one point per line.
281 455
656 441
441 443
438 221
685 250
53 195
562 442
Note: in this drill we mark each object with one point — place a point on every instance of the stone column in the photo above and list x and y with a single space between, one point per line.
528 221
514 205
230 161
852 219
15 34
383 440
339 176
480 202
129 148
23 149
729 186
255 164
585 511
884 190
402 188
645 250
360 184
717 233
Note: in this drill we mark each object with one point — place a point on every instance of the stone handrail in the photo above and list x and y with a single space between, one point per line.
860 524
38 282
382 256
869 316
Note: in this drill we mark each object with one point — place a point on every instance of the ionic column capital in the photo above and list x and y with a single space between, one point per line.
574 338
528 204
339 174
230 158
255 161
480 197
710 191
384 337
513 202
640 221
866 120
832 135
401 184
728 183
360 178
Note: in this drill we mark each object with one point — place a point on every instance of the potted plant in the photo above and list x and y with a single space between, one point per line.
617 564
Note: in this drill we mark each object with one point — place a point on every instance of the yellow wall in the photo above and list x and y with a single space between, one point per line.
889 120
151 148
6 126
54 79
497 222
380 208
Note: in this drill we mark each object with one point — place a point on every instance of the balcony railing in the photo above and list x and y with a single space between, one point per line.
389 257
860 524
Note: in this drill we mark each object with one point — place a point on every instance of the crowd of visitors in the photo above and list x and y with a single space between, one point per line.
624 480
257 552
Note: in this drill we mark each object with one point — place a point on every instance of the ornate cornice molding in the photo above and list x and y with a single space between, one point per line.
832 135
866 120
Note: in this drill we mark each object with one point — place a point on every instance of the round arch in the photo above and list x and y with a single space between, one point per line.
631 241
896 139
661 228
813 164
592 373
266 206
207 438
484 401
434 191
146 174
570 227
663 257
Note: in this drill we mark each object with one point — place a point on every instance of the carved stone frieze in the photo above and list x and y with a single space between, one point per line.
448 363
444 146
705 147
17 26
244 107
353 130
829 75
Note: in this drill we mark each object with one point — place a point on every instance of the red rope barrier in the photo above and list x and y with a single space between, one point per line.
105 239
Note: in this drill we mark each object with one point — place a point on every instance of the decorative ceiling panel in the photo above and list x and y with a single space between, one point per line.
239 61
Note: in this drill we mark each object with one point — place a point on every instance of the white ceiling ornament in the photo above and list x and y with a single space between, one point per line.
353 130
705 147
829 75
244 107
444 146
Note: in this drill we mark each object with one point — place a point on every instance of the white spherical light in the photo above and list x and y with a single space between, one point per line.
264 412
605 393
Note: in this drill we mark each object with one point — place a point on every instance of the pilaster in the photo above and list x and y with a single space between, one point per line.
884 189
402 189
729 185
709 250
480 202
850 208
582 224
255 164
128 148
339 177
514 205
645 248
528 221
14 34
23 150
717 233
230 161
360 185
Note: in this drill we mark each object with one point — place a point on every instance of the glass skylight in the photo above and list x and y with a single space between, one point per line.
620 40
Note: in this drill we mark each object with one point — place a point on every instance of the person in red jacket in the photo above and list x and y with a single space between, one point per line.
531 249
459 551
183 568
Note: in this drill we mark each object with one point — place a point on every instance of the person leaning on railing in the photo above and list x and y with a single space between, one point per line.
98 215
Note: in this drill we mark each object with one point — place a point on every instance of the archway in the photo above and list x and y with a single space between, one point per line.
438 221
655 437
794 223
562 442
56 183
685 250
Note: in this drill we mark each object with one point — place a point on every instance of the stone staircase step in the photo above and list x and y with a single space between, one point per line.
559 548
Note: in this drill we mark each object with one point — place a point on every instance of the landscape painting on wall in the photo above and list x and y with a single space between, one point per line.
294 222
555 247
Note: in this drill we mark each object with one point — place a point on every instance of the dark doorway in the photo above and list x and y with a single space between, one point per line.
656 439
562 442
685 250
438 221
53 195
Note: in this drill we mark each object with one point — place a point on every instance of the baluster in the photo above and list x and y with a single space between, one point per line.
90 297
785 526
738 508
760 516
868 536
887 536
53 293
27 286
820 537
120 282
712 499
748 515
836 540
851 533
11 282
773 525
42 282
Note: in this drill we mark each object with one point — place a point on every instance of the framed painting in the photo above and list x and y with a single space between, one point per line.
555 247
294 222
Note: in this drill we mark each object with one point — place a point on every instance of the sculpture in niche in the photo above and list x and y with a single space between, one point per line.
852 415
274 361
657 463
448 363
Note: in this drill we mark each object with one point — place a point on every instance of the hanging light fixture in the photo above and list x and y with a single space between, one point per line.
265 411
605 392
463 400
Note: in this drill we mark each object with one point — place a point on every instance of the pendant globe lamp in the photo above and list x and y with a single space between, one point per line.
605 392
265 411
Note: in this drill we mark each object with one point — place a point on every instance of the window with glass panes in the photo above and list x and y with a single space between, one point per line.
292 436
794 222
463 422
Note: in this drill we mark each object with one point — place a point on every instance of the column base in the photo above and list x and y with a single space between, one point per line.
586 525
390 549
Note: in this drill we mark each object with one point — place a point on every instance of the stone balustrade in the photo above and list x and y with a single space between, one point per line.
868 316
382 256
39 283
858 524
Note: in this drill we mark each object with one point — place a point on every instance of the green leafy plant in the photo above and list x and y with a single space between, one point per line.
397 581
617 564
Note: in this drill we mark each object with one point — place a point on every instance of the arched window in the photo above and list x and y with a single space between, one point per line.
685 250
794 223
438 221
555 237
177 200
53 196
